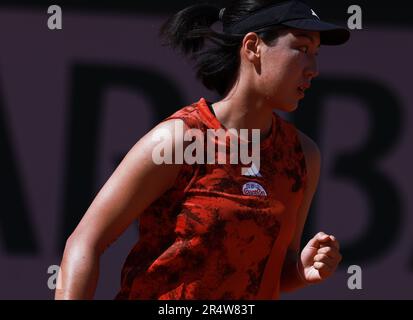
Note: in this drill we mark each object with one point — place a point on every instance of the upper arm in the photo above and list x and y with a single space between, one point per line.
132 187
313 163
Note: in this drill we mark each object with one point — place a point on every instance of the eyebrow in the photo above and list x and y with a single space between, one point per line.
306 36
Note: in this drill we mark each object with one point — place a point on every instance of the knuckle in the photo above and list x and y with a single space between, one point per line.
320 257
328 250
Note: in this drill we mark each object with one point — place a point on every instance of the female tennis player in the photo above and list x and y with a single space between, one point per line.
212 230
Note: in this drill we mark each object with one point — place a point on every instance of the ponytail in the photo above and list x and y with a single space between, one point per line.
188 28
216 66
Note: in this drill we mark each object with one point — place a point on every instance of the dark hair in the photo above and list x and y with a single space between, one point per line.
217 65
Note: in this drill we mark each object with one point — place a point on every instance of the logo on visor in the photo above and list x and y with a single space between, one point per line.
314 14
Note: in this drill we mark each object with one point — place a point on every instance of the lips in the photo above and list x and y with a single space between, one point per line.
305 86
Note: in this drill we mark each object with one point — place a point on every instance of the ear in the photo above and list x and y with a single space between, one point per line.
251 47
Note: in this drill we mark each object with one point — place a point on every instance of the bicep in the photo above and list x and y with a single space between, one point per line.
313 163
132 187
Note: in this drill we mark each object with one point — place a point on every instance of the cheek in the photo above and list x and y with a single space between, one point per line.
280 79
282 69
292 67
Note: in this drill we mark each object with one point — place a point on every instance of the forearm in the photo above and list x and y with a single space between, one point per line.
79 273
290 277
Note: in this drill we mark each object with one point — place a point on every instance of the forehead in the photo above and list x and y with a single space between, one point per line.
298 34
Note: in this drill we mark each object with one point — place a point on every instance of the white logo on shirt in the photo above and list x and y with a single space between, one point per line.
253 189
252 172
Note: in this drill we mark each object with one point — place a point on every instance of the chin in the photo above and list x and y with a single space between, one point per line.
288 108
293 108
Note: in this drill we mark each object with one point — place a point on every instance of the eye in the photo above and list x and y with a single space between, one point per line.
306 50
303 49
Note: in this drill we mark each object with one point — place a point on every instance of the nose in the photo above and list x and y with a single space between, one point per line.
312 70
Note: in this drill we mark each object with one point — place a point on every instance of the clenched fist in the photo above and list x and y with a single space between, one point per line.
319 258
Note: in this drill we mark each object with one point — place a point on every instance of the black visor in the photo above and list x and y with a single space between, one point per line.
294 14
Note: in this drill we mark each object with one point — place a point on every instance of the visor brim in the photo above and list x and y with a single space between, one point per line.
330 34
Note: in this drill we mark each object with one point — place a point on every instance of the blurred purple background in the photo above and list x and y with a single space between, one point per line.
74 101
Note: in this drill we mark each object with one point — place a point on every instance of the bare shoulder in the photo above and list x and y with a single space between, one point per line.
136 183
310 147
172 129
312 157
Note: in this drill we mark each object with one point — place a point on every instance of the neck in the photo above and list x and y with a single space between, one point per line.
241 109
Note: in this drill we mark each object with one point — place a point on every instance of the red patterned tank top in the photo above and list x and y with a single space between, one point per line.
218 234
